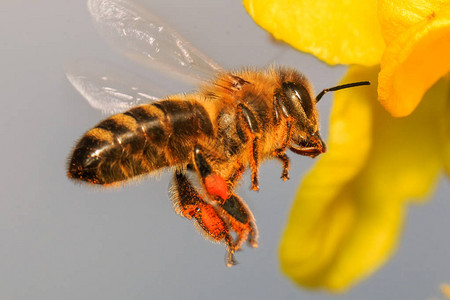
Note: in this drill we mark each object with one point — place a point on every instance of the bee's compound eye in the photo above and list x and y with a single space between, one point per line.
298 93
305 100
288 89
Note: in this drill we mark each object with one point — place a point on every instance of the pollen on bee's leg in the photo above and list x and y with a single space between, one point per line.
205 216
216 186
189 211
212 223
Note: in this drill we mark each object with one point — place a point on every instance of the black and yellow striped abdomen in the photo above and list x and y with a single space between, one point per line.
141 140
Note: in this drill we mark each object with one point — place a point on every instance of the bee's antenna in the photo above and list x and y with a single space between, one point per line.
340 87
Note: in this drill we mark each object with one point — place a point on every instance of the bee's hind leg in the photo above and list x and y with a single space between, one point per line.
234 211
241 220
215 185
190 204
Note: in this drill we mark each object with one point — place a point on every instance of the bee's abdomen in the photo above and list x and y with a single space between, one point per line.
141 140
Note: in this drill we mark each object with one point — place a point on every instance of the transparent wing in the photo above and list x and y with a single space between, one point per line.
143 37
108 88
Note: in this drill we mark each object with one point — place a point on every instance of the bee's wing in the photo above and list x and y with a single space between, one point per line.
143 37
107 88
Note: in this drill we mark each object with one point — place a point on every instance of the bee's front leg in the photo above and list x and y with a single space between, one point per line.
189 203
281 155
282 118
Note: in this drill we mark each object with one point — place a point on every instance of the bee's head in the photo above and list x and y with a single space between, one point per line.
295 101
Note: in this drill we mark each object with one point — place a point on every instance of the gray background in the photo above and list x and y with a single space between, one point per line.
59 240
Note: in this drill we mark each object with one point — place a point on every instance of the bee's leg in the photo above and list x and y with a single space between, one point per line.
236 175
241 220
281 115
280 153
206 218
214 184
247 121
234 211
286 165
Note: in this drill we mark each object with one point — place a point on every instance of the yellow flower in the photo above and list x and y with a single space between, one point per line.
445 288
347 216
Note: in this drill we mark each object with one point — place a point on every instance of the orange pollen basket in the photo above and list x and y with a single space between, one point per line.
216 186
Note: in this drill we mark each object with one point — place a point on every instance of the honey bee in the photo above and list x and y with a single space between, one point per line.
235 121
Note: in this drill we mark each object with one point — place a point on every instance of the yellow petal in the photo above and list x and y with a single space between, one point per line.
413 62
348 213
337 32
318 222
446 128
397 16
445 288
